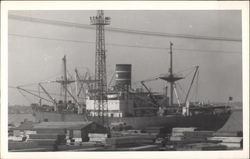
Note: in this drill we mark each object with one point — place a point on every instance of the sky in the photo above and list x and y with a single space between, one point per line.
31 60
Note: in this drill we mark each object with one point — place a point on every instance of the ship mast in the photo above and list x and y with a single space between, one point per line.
65 82
171 78
171 75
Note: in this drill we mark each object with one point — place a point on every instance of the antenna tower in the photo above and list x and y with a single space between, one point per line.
100 97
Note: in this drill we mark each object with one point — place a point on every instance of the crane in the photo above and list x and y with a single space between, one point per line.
196 70
19 88
150 94
52 99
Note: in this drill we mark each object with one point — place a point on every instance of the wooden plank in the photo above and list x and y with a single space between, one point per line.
217 147
227 139
198 133
176 138
129 140
95 135
182 129
231 145
33 150
43 136
225 134
143 148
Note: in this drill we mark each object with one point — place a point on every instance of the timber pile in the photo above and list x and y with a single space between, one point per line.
202 146
230 142
180 131
153 130
189 138
43 136
131 133
125 141
197 136
32 149
116 134
189 135
75 147
43 139
228 134
215 147
47 139
15 138
44 142
143 148
96 137
12 145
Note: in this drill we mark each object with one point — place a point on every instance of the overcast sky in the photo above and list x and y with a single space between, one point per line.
32 59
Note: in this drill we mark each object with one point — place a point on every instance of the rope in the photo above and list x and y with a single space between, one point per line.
197 85
181 87
189 73
176 94
180 97
24 96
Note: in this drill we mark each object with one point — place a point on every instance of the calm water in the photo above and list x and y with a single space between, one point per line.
17 118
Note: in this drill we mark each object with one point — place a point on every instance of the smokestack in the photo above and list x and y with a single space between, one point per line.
123 76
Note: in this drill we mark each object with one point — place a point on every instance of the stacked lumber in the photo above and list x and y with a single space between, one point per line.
130 132
44 142
194 134
197 136
50 131
215 147
12 145
143 148
32 149
189 135
228 134
176 138
129 140
15 138
43 136
28 132
116 134
153 130
230 142
203 146
47 139
178 133
96 137
78 139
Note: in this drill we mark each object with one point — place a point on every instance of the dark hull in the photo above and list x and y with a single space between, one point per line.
203 122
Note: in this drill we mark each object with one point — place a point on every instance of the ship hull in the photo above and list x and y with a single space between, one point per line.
202 122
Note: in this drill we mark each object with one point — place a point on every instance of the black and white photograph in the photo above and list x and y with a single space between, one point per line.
107 80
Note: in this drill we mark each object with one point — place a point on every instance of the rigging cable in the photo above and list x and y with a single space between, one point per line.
37 91
123 45
24 96
182 90
197 85
121 30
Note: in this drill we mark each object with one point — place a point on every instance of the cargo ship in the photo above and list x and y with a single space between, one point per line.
134 108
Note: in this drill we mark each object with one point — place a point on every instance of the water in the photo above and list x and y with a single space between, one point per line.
16 119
